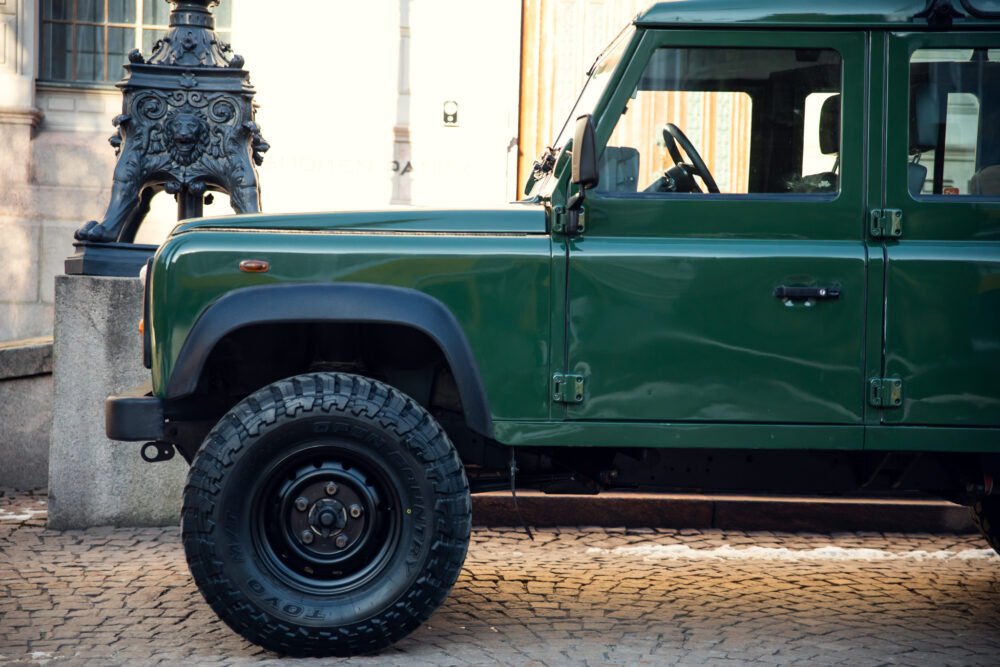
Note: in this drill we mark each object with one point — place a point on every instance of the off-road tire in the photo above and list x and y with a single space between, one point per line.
380 441
986 514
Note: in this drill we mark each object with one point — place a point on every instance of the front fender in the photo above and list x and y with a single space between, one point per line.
334 302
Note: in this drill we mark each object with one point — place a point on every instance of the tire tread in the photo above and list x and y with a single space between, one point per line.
986 516
330 393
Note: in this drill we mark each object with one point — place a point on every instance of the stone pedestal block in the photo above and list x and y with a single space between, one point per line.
98 352
25 412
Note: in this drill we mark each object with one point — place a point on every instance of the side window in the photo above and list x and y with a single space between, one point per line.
954 104
729 121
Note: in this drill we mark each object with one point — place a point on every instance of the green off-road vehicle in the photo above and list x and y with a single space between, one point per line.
763 255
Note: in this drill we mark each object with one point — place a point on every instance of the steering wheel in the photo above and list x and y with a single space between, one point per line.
672 136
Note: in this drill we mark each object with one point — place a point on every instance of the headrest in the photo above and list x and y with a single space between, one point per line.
986 182
829 126
925 119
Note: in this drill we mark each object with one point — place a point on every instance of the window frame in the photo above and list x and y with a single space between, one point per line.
919 196
138 26
929 217
656 38
741 216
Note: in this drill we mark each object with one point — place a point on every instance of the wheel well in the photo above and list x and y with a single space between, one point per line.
254 356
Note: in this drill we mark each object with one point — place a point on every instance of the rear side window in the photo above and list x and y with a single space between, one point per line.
761 120
954 148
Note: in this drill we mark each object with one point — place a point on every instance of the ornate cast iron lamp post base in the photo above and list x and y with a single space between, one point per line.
187 127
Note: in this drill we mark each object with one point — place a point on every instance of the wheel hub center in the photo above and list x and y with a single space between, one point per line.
327 517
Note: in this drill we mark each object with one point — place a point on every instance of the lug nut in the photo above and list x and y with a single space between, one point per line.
307 537
341 541
301 503
355 511
331 489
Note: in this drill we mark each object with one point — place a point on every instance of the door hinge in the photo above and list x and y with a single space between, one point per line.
560 219
886 223
567 388
885 392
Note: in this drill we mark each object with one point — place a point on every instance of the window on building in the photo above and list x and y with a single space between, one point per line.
87 41
760 121
953 107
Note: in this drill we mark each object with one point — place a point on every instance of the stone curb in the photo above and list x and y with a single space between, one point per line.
747 513
25 358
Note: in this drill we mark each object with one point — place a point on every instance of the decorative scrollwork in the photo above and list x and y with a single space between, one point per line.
222 110
198 100
150 105
158 47
183 130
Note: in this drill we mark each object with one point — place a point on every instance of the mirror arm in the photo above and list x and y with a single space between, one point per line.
573 207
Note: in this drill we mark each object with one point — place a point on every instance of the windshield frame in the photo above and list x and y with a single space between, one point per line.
594 87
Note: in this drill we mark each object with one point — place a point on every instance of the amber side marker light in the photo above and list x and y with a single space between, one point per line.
254 266
142 327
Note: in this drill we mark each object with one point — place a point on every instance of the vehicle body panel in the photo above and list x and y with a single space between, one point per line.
854 14
690 330
524 218
472 274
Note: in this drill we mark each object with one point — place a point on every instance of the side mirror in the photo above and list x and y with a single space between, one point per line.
583 170
584 167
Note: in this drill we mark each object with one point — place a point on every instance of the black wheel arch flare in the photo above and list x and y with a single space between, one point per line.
332 303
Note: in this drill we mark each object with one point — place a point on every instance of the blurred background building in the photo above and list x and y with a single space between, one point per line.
423 102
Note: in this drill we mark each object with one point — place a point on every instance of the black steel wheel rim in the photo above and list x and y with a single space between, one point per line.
326 518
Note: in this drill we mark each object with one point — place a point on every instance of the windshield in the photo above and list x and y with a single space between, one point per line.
597 81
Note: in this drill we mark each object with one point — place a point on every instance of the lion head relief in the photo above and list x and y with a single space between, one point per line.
186 131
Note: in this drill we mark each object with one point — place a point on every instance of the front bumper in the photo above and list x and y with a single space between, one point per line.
134 415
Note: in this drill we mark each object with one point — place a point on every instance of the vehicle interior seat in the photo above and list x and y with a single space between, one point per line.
829 144
619 169
986 182
925 119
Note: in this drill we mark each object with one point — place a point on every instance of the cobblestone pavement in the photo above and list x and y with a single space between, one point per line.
575 596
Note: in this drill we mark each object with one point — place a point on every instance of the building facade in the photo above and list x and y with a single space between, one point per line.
352 100
365 105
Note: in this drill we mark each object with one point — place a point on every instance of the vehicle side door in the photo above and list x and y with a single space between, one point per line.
744 307
942 313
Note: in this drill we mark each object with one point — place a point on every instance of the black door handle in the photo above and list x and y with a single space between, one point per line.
790 292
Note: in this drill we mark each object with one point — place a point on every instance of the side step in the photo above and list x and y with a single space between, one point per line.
778 514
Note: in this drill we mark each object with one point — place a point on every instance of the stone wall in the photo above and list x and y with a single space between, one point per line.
62 179
25 413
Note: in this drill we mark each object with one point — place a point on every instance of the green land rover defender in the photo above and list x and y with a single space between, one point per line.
762 255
